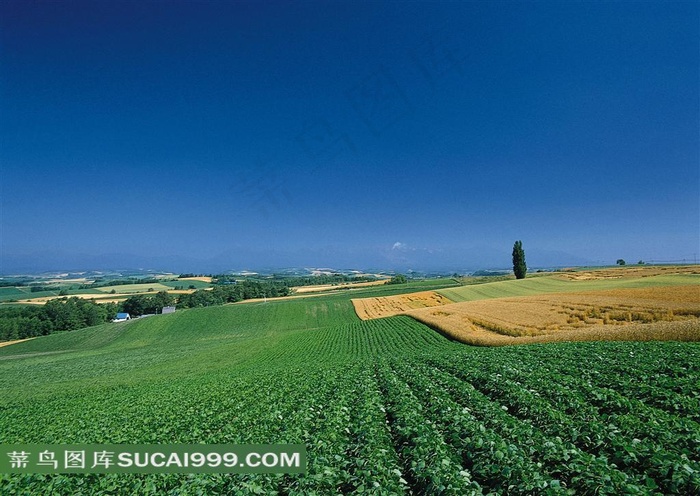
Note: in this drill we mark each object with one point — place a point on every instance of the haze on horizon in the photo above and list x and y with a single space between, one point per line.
197 136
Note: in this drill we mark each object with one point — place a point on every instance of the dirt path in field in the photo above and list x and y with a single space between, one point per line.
8 343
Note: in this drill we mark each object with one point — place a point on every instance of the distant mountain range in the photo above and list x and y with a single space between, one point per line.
396 258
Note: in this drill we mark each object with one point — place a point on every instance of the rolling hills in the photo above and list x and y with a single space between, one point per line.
385 406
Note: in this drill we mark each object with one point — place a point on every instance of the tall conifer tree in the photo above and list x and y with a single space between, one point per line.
519 266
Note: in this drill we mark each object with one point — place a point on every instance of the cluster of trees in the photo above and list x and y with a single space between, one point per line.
67 314
231 293
291 281
36 288
621 261
56 315
324 279
137 305
99 282
146 304
398 279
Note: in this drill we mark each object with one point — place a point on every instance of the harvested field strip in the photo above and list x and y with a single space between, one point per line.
90 296
383 406
630 314
330 287
206 279
387 306
8 343
553 284
629 272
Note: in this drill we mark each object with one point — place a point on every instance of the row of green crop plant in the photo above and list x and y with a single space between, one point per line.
599 421
384 407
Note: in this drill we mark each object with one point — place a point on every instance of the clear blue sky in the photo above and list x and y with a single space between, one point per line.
213 135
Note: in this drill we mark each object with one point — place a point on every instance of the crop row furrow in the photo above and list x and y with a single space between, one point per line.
578 397
640 458
573 393
634 418
559 457
375 463
496 463
432 466
673 395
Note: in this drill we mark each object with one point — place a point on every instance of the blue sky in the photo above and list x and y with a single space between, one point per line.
230 135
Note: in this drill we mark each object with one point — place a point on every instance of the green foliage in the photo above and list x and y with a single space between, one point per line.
38 288
620 261
231 293
65 314
192 284
323 279
519 265
398 279
147 304
383 407
293 281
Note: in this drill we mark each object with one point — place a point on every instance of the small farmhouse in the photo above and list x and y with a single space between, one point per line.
122 317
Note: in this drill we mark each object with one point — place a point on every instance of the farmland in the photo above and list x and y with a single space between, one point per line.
562 284
660 313
384 406
388 306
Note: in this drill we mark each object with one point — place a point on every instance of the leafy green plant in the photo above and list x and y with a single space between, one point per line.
383 407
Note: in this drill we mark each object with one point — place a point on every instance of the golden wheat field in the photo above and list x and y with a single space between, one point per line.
637 314
387 306
627 272
332 287
206 279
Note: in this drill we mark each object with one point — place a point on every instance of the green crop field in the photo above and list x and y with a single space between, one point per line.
549 284
14 293
394 289
186 284
24 293
134 288
386 406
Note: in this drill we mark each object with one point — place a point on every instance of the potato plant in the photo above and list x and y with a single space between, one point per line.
383 407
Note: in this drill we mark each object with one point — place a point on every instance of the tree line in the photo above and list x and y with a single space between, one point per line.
323 279
137 305
66 314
